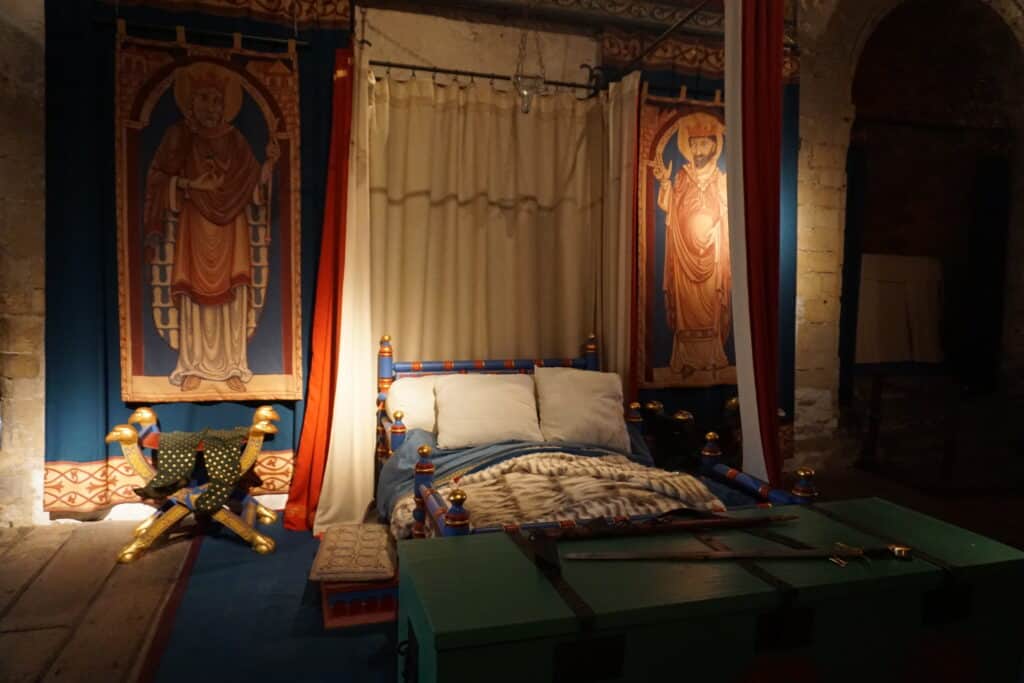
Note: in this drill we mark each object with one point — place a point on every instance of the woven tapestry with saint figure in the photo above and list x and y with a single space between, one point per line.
208 222
685 311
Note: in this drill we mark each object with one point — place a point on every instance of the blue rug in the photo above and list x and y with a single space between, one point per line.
244 616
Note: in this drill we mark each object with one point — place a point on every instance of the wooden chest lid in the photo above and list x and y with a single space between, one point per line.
483 589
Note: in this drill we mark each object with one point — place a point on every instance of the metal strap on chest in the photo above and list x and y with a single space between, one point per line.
543 553
785 588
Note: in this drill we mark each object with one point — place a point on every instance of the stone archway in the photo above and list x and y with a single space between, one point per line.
832 35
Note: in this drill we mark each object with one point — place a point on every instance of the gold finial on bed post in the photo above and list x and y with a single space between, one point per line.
804 486
654 407
711 448
457 517
590 352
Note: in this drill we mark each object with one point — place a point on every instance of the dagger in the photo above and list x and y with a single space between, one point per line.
840 552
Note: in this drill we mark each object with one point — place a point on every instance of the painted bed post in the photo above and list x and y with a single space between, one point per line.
422 480
385 376
385 365
590 353
634 417
804 486
397 432
457 518
712 452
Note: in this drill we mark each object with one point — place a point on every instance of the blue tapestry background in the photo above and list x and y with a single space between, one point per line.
706 403
83 383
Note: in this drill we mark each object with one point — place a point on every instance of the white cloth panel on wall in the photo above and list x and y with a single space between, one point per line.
348 479
485 222
753 451
615 275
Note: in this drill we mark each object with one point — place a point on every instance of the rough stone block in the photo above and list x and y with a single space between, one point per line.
828 197
19 365
818 309
24 226
15 302
817 262
833 177
815 379
824 337
825 217
21 334
822 239
24 414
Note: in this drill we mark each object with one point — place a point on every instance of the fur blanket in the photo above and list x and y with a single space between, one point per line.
552 486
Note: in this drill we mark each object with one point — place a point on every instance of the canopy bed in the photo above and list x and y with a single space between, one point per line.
444 436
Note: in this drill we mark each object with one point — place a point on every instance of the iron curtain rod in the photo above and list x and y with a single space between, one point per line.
471 74
204 32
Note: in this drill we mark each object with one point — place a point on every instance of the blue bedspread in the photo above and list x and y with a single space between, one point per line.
396 477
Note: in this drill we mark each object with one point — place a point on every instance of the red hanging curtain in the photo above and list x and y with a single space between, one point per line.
311 458
762 144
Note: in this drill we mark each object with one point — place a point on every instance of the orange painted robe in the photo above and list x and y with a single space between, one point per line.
697 277
212 267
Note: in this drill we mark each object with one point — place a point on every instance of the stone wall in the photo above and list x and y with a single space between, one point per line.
22 229
832 34
490 48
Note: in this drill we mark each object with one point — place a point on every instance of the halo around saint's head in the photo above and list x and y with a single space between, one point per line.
207 75
698 125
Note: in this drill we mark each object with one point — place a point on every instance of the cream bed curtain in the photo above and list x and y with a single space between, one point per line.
475 231
485 221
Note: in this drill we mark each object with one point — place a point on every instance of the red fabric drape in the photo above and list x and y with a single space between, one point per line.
762 142
311 458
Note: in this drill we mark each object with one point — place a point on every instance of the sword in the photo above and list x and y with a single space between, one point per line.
838 554
666 524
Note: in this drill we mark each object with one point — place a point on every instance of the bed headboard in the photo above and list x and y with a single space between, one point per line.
388 370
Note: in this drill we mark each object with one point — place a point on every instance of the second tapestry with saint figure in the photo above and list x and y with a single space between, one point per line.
685 281
208 222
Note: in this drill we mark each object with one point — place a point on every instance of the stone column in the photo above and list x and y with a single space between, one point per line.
22 250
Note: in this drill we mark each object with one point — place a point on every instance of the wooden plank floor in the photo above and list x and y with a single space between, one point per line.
69 612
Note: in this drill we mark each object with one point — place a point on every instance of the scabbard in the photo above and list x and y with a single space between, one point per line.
660 526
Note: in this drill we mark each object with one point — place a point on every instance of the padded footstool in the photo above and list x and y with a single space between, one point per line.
355 566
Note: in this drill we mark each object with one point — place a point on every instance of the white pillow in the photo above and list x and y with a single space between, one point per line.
414 396
473 410
581 406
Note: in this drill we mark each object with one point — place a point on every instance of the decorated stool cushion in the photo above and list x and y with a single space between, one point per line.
354 552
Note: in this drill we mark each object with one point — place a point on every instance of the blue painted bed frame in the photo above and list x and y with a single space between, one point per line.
452 518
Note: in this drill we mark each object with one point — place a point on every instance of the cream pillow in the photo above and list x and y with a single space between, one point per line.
581 406
414 396
473 410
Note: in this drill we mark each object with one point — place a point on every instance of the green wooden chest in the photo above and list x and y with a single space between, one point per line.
476 609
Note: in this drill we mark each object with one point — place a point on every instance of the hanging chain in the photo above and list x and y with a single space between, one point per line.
521 59
540 53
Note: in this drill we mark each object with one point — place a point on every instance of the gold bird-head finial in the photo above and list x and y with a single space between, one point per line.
264 413
263 427
143 415
124 434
